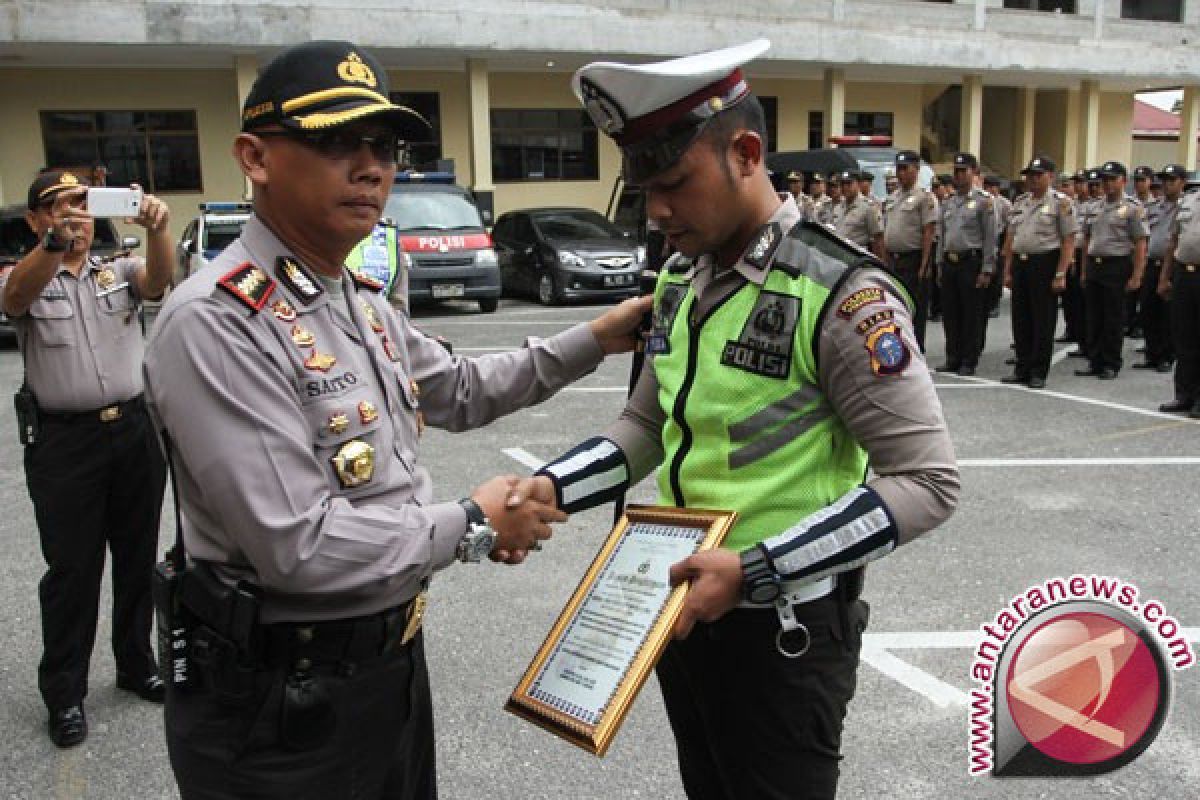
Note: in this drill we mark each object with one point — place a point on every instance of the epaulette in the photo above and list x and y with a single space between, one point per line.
249 284
367 282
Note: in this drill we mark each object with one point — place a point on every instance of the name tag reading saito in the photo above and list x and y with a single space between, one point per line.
600 651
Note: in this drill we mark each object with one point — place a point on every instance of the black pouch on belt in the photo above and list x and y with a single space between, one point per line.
307 719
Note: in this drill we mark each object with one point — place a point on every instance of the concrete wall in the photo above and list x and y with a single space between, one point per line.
1049 126
1157 153
999 130
1116 120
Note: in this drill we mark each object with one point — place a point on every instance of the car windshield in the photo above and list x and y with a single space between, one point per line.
218 237
432 210
575 225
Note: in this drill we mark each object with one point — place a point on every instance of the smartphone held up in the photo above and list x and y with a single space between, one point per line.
105 201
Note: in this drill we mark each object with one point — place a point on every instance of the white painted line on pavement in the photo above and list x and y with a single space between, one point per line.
964 386
925 640
1060 356
1163 461
525 457
938 691
1079 399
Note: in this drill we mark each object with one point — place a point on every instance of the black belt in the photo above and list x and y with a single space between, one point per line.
1187 267
100 415
954 256
1101 260
353 640
907 254
1043 254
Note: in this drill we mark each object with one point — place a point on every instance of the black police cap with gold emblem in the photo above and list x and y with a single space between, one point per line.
325 84
1174 171
1040 164
1143 172
1113 169
654 112
50 183
966 161
904 157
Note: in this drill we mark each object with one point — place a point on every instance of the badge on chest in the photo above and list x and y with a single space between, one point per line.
765 344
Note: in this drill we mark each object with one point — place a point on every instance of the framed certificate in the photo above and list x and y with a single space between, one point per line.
612 631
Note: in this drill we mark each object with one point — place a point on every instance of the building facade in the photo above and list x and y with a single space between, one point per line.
152 89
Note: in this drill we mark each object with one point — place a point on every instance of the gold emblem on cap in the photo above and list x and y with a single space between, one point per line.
302 336
320 361
283 310
372 316
106 278
338 423
354 463
353 70
68 179
367 412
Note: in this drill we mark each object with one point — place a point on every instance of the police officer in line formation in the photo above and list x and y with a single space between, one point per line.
1140 178
855 218
1073 304
768 318
292 398
822 202
1113 264
92 462
807 205
910 218
1153 310
1038 251
966 258
1003 206
1180 283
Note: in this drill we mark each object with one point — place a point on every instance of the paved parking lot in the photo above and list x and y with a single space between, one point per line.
1083 478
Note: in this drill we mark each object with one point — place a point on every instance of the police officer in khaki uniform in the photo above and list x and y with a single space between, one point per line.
822 202
292 398
910 220
1180 281
1073 305
1003 206
1113 265
91 460
795 182
1135 323
763 292
966 257
1037 254
1155 312
856 219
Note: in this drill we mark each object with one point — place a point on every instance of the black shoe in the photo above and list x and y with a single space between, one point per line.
1175 406
1077 353
151 689
1010 361
1107 374
1164 367
1090 372
1195 412
947 368
1014 378
966 371
994 313
1145 365
1064 339
1141 349
68 726
1036 383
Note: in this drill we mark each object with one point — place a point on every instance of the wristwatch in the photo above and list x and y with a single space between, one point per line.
479 539
53 243
760 583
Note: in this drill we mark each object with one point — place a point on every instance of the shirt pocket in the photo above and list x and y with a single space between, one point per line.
53 319
118 311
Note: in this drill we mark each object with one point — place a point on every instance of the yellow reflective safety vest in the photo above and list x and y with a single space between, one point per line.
377 256
748 428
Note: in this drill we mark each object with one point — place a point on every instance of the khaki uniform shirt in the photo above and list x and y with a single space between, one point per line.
1115 228
1187 229
968 222
859 222
295 429
824 209
906 213
896 418
1160 217
82 337
1003 208
1041 224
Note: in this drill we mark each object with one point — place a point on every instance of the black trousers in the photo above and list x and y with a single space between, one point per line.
94 484
1156 316
907 267
1073 304
751 724
379 745
1034 312
964 309
1106 306
1185 330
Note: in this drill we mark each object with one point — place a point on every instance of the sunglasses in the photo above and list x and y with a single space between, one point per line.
341 144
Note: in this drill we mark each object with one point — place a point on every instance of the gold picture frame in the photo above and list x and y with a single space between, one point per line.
584 678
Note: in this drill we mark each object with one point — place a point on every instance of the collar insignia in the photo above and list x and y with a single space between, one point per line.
249 284
297 278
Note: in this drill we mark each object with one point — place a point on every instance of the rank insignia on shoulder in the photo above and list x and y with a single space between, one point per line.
863 297
367 412
889 354
354 464
249 284
760 251
283 310
320 361
366 281
302 336
297 278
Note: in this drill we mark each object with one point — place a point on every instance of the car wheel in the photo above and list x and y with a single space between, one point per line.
547 291
488 304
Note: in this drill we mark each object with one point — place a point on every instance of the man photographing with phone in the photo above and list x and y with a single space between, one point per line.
92 464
